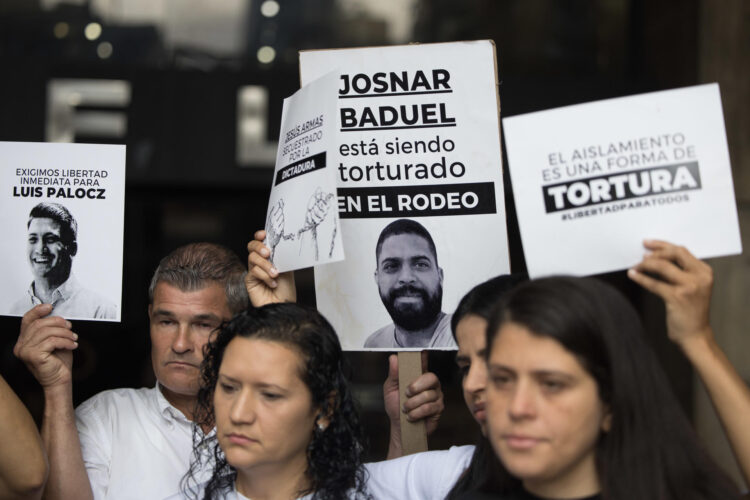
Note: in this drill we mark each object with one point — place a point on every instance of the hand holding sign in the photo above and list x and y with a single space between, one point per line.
684 283
263 282
46 345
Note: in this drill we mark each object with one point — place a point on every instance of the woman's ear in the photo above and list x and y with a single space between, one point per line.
324 420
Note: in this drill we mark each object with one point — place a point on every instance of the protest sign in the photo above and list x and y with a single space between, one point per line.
302 221
61 213
420 190
592 181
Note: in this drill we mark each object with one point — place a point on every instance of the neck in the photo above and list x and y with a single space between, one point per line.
184 403
580 482
417 338
46 286
274 482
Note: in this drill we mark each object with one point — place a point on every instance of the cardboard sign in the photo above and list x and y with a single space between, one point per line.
592 181
61 212
420 190
302 221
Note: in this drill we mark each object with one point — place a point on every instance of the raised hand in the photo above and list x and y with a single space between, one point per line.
46 345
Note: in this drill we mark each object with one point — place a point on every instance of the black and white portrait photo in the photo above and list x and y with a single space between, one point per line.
62 211
52 245
410 284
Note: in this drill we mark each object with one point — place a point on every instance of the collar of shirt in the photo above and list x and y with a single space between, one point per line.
166 409
63 292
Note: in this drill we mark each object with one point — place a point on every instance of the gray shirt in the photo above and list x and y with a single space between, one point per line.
442 338
71 301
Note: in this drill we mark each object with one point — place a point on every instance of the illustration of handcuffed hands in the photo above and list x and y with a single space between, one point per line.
684 283
275 227
264 283
46 345
318 207
424 401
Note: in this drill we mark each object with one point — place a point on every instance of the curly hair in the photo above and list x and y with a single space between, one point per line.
334 455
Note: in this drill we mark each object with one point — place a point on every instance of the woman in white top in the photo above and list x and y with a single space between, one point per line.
286 426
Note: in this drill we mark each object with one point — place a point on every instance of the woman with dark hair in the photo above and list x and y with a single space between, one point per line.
286 426
469 324
578 407
435 474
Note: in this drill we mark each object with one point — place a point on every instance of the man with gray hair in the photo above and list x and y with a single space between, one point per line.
51 245
137 443
134 443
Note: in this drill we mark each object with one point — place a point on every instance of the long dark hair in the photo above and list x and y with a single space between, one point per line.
334 455
482 472
651 451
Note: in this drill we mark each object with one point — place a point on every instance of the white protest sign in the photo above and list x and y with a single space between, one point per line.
419 168
62 208
592 181
301 221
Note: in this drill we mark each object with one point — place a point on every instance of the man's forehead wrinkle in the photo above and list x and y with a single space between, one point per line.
163 312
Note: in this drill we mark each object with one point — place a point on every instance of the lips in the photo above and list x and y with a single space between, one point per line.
181 364
520 442
480 414
41 261
240 439
408 291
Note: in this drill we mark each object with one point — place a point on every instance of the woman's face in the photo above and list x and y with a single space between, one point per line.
544 415
470 334
264 412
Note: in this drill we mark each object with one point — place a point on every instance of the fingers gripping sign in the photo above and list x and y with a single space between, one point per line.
263 281
46 345
683 282
422 402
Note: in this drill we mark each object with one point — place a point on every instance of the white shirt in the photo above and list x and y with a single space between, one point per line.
429 475
135 444
225 495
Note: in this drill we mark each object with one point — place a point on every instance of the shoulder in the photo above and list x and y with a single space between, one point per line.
21 305
425 475
100 306
455 456
443 336
382 337
116 401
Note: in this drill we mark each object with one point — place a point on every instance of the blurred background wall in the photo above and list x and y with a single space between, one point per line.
194 89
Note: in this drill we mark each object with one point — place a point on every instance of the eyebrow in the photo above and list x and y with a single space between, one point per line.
411 258
197 317
537 373
263 385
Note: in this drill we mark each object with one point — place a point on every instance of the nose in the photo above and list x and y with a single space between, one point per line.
38 246
243 408
406 275
476 379
182 342
522 403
